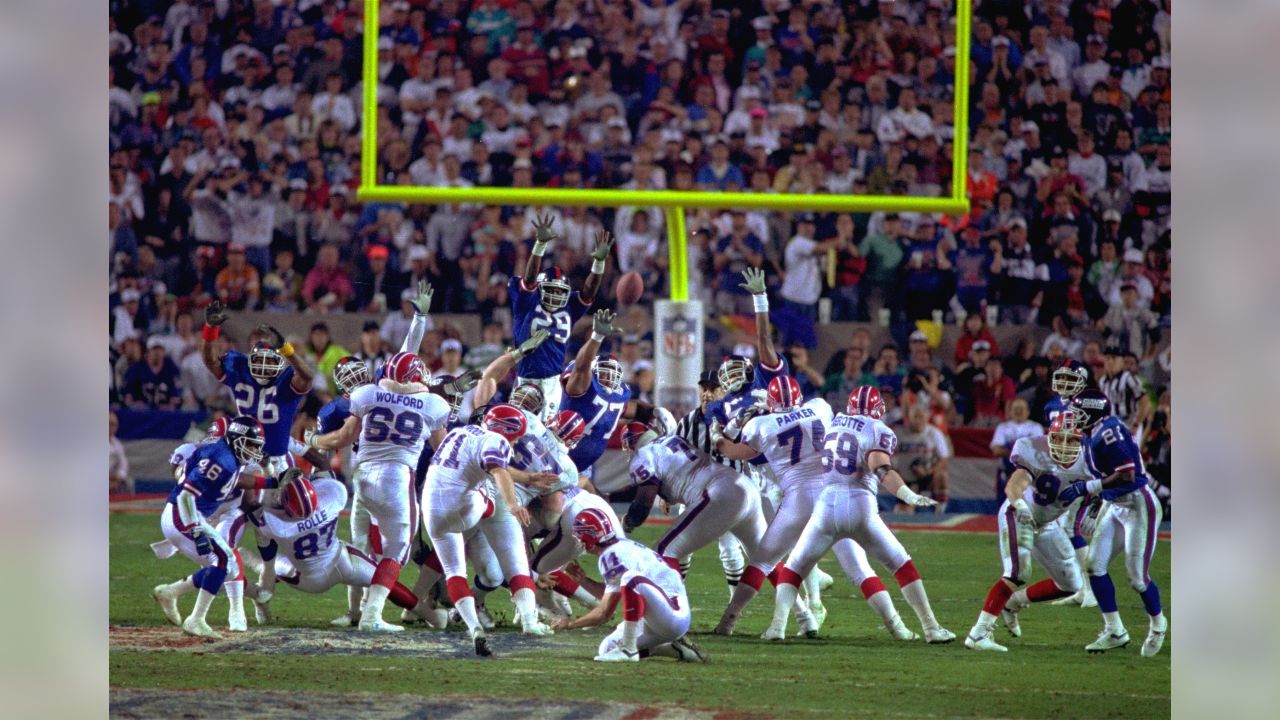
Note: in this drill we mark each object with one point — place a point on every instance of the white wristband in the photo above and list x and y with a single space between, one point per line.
760 303
906 495
1093 486
1021 505
597 337
539 248
597 267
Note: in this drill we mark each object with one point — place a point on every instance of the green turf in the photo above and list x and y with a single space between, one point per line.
855 669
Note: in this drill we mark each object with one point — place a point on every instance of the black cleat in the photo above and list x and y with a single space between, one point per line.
482 646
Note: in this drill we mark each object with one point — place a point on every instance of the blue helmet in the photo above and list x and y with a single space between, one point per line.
1092 407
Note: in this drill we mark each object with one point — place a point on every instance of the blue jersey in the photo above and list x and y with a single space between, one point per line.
1110 448
1054 407
210 475
528 317
602 410
732 405
334 414
274 405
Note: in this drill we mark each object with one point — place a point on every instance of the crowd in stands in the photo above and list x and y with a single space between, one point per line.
235 155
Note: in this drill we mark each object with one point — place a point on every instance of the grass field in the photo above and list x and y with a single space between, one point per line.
853 670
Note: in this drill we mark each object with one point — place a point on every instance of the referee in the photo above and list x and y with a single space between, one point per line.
1128 397
695 428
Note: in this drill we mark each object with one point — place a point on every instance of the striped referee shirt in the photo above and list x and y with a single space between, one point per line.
1124 391
695 429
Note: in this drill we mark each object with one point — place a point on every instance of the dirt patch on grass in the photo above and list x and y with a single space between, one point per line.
225 703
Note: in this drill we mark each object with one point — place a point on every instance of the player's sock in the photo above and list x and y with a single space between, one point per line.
203 600
1151 600
913 590
734 561
684 565
521 587
1105 592
1082 559
752 579
785 596
878 598
235 598
355 600
997 598
567 586
429 572
464 603
1044 591
812 588
633 607
384 577
181 587
401 596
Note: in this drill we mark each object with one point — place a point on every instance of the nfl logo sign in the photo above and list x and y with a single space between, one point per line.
678 339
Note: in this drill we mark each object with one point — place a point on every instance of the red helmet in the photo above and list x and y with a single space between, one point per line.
866 400
299 498
405 367
506 420
784 393
594 528
218 428
570 428
636 435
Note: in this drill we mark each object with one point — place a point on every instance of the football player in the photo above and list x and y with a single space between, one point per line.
593 388
716 498
211 485
1129 524
268 383
392 421
456 499
655 607
1067 381
1029 528
351 373
545 301
857 457
304 523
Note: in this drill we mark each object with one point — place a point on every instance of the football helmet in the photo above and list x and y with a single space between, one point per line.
783 393
636 435
441 383
299 498
245 438
866 400
1064 438
553 289
608 371
529 397
1069 378
594 528
1091 406
265 362
506 420
218 428
350 373
405 367
570 428
735 373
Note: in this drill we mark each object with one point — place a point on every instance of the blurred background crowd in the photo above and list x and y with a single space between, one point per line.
235 153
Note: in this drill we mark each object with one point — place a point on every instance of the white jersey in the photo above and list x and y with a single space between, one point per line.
311 544
1048 478
628 559
680 472
844 453
395 426
465 457
540 450
792 442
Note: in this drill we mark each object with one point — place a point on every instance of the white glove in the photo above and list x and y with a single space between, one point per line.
1022 513
309 436
910 497
716 432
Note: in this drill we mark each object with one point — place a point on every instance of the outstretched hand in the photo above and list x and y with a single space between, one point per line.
422 303
602 323
543 234
754 281
215 313
533 342
604 242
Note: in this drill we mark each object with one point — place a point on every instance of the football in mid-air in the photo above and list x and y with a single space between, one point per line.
630 288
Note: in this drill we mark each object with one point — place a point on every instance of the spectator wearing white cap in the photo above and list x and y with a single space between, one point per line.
1131 274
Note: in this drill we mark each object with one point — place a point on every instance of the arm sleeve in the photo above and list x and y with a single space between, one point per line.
360 400
417 328
1021 454
886 440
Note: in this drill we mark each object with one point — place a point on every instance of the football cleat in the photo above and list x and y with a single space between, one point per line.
819 613
938 635
262 611
617 654
825 581
774 632
1155 638
688 651
378 625
486 620
537 627
1108 640
236 621
168 603
1010 620
983 643
1088 601
807 622
345 620
199 628
900 631
480 642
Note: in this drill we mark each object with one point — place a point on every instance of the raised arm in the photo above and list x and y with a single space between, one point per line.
543 236
601 328
760 300
502 366
215 314
303 375
418 326
599 256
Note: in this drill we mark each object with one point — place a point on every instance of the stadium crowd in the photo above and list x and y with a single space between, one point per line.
235 153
